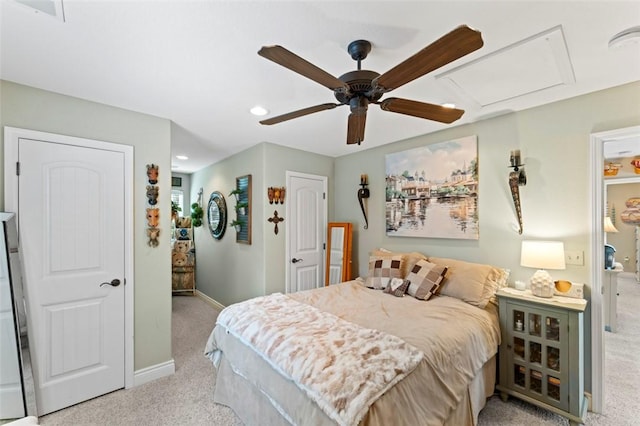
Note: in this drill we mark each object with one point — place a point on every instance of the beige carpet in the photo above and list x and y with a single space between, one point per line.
186 397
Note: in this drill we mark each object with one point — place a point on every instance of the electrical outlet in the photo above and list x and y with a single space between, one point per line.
574 257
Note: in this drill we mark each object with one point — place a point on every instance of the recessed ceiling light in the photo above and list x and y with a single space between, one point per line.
259 110
626 37
449 105
182 157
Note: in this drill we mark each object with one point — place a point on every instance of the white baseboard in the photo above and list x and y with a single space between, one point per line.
219 306
154 372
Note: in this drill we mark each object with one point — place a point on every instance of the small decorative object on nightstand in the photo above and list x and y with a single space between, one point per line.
542 352
542 255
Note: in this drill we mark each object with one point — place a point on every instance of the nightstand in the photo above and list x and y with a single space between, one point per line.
542 352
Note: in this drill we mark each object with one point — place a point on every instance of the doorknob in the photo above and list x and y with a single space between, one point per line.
114 283
294 260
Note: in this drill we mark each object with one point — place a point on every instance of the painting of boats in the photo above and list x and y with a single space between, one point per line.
432 191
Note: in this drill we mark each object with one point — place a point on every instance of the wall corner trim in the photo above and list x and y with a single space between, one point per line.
219 306
149 374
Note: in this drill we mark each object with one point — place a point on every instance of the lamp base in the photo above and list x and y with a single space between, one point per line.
542 284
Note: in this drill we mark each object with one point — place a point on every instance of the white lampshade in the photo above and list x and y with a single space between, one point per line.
542 255
608 225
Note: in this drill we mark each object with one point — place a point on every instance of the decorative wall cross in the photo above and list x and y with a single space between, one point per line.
275 220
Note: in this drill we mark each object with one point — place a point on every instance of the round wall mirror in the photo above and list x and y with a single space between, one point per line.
217 215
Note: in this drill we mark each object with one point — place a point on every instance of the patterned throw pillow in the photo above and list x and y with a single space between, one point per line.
398 287
381 270
425 279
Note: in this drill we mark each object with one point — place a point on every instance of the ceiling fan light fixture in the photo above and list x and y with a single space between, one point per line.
359 88
259 110
448 105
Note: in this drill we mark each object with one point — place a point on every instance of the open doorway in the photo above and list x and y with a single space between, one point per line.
629 137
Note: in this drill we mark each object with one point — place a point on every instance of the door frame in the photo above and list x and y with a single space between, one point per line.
11 191
287 252
597 259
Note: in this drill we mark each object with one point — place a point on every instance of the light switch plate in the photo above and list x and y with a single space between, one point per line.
574 257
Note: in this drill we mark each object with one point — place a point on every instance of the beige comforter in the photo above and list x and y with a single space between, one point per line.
455 337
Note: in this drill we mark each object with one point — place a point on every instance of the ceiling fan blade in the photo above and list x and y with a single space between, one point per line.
287 59
456 44
422 110
298 113
355 127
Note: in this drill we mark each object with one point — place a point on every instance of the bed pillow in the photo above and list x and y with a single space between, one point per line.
425 279
397 287
381 270
409 259
473 283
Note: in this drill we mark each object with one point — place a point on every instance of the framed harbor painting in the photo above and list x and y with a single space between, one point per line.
432 191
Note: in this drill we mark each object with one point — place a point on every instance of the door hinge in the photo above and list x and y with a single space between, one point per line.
324 246
124 281
324 196
17 168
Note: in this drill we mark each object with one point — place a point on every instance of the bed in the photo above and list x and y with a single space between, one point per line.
433 362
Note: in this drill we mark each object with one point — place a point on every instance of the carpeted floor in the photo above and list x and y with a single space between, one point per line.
186 397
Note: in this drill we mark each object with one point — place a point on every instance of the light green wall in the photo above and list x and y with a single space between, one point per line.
278 160
34 109
225 270
228 271
555 143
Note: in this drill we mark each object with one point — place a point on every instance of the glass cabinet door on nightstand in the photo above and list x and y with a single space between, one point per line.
538 350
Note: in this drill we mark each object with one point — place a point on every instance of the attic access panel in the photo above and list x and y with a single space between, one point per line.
531 65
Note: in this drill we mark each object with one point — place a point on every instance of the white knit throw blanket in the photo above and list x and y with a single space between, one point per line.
341 366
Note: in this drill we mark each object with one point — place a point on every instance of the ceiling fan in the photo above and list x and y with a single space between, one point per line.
360 88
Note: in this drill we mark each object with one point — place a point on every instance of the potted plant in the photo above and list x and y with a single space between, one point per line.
236 193
175 208
241 207
237 224
196 215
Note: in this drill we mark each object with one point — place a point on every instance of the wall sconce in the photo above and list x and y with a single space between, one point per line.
362 194
517 178
276 194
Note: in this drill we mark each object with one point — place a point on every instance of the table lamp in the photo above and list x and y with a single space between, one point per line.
542 255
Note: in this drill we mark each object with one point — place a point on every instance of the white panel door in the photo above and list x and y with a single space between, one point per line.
306 230
71 210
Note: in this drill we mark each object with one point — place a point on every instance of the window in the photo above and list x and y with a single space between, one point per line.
177 196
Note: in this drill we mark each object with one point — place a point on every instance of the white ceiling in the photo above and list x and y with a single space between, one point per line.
196 62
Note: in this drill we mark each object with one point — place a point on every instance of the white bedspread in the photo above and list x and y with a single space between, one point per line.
341 366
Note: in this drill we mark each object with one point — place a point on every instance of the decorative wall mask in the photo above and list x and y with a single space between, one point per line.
152 173
153 213
153 217
276 194
152 194
153 234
